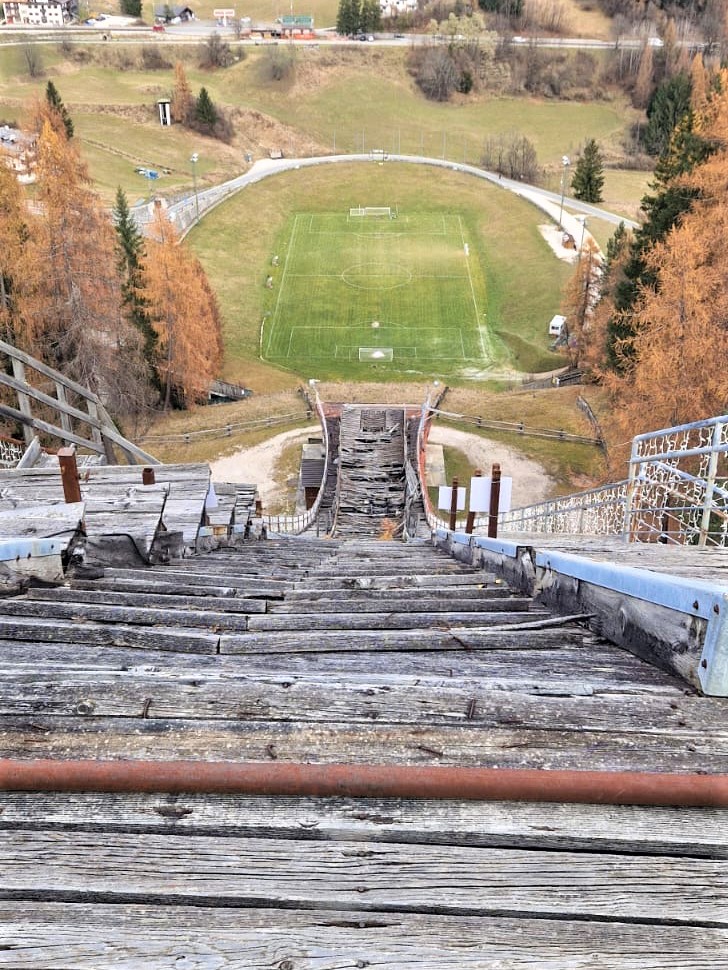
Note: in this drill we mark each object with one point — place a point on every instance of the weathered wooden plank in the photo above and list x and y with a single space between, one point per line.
391 620
36 629
222 604
168 574
251 589
322 743
450 879
38 521
115 613
423 604
556 671
627 829
86 937
109 474
359 597
420 641
400 580
240 696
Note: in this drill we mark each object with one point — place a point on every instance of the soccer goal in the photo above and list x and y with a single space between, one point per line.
383 211
376 353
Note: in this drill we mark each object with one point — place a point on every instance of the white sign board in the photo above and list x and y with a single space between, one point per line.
444 498
224 12
480 495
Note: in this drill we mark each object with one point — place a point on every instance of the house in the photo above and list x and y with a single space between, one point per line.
51 13
392 8
17 151
172 13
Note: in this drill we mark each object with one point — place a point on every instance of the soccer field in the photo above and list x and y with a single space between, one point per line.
406 291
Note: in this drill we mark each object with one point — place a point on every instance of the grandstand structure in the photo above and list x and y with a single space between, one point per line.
358 737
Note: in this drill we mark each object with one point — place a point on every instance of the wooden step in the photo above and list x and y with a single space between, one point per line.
393 621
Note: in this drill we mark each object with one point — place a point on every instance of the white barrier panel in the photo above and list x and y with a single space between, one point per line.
480 494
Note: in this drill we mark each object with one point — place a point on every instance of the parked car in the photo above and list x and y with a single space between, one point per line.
158 28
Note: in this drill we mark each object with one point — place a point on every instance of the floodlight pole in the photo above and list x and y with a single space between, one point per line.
582 220
193 161
565 162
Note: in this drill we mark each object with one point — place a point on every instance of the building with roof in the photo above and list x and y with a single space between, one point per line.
50 13
168 12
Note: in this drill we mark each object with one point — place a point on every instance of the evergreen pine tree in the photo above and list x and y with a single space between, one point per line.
588 180
348 17
131 8
130 249
55 102
370 16
205 111
668 106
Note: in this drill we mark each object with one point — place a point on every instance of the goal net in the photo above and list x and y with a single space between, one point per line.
385 211
376 353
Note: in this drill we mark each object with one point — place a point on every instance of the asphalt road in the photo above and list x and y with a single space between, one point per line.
184 212
193 31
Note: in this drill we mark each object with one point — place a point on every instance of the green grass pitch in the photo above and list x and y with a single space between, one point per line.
407 293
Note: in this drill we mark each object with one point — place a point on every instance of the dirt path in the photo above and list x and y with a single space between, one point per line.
531 483
257 464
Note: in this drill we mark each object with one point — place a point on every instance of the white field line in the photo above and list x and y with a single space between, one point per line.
281 285
479 330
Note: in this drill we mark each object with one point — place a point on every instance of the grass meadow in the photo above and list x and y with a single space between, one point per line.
513 272
112 103
516 278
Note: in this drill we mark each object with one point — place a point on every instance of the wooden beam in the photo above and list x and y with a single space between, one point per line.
23 400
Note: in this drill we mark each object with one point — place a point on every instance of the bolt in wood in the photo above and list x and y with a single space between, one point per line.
148 476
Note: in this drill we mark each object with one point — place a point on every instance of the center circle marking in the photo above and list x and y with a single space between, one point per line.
376 276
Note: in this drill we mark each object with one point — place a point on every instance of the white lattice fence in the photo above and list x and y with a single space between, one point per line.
677 492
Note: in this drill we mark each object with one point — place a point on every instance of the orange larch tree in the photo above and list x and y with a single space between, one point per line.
678 355
73 303
185 315
182 101
14 234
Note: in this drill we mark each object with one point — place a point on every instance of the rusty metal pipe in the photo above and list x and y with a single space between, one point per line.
366 781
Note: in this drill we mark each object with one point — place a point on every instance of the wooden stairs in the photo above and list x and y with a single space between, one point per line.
324 651
371 463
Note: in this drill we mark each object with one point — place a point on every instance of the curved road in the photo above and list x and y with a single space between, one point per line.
184 212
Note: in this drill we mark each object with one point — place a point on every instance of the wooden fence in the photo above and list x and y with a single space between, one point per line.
518 427
88 425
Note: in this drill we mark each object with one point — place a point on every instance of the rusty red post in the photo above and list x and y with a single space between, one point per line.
495 477
470 521
453 505
148 476
69 475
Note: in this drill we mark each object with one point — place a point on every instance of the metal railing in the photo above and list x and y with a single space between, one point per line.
297 523
678 484
597 511
676 493
11 451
